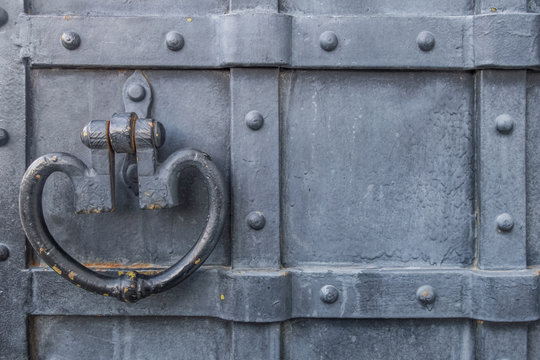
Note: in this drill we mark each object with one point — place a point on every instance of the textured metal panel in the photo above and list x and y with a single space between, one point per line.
130 235
501 341
255 167
377 168
378 339
66 337
501 169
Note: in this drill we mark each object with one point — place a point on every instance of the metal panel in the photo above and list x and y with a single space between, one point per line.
377 168
126 337
378 339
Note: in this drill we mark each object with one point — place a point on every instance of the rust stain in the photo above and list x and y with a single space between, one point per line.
38 176
67 17
197 261
71 275
58 271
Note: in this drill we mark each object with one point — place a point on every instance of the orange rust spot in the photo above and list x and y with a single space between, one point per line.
38 176
71 275
67 17
197 261
125 290
41 250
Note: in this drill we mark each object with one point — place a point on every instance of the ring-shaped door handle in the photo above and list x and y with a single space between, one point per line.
131 286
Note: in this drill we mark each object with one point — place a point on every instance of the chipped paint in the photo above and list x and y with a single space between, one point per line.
197 261
222 297
58 271
71 275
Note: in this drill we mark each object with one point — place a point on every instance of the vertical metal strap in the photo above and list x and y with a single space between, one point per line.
255 168
15 282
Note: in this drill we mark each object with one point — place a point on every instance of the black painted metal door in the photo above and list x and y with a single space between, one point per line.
380 179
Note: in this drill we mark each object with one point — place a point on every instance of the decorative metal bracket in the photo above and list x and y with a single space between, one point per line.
139 137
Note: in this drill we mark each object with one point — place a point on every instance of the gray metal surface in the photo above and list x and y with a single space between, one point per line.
381 156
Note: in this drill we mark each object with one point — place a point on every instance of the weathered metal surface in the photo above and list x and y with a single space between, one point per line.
269 296
402 204
266 39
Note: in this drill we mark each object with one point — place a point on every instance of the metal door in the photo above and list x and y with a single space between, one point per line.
380 162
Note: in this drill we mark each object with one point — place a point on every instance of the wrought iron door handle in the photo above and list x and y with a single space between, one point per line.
94 192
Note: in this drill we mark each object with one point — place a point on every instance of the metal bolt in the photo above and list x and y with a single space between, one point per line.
256 220
426 294
174 40
4 252
504 123
71 40
505 222
3 17
328 40
136 92
4 137
254 120
329 294
425 40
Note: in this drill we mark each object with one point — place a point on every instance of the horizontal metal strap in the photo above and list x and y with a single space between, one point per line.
269 39
269 296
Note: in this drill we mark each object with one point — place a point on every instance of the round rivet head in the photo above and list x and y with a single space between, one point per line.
426 294
328 40
4 137
425 41
504 123
71 40
256 220
174 41
505 222
254 120
329 294
4 252
136 92
3 17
